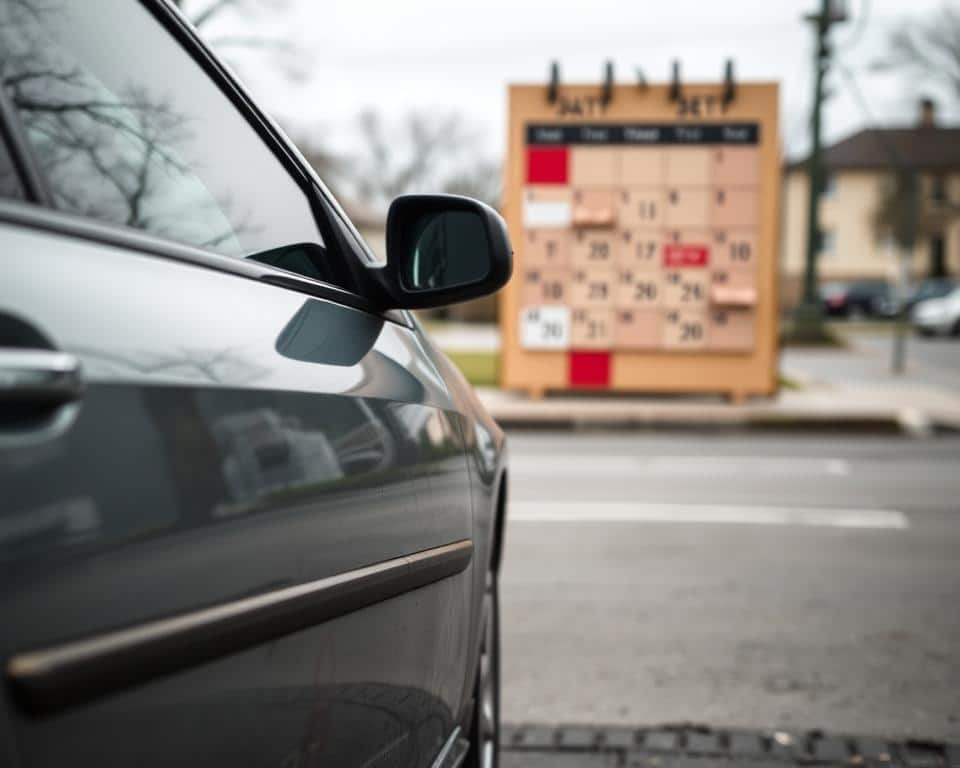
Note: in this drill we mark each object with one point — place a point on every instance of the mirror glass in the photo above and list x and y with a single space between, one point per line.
447 249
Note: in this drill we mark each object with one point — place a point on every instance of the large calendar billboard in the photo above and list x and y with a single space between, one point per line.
644 234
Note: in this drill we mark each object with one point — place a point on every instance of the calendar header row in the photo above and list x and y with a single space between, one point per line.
644 133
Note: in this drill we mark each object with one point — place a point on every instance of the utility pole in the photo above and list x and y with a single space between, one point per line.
906 240
809 315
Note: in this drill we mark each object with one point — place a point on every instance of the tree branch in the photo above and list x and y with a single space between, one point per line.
211 11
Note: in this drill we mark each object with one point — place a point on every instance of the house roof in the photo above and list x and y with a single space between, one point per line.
926 148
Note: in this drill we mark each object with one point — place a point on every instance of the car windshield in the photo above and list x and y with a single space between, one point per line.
834 289
935 289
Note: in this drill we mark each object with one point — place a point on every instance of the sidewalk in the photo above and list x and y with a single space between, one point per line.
838 389
915 411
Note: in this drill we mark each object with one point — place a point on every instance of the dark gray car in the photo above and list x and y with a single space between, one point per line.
249 515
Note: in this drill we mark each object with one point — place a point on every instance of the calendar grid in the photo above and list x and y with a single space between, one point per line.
640 247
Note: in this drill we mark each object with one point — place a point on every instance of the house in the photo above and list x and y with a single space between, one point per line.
859 176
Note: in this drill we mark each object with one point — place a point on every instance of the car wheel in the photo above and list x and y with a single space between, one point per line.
956 328
485 729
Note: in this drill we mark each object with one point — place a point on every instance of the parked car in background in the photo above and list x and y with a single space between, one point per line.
251 515
932 288
938 317
861 298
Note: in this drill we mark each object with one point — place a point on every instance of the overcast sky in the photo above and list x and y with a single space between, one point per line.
452 56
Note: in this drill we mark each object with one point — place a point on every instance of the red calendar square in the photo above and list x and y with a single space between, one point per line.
680 255
590 369
547 165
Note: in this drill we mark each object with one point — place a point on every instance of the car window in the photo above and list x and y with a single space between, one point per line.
129 129
934 289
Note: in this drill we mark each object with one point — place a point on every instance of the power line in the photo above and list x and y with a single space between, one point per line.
896 158
857 34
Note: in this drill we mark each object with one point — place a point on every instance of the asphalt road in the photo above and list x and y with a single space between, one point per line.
741 581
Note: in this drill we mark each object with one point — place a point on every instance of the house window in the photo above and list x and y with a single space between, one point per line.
828 242
938 190
829 184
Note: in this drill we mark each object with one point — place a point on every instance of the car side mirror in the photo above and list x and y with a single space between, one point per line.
442 249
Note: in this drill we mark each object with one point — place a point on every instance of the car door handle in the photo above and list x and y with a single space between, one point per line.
39 376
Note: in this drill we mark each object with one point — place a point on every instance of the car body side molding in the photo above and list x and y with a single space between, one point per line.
48 680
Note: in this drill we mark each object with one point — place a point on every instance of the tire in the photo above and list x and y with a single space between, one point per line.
955 331
485 726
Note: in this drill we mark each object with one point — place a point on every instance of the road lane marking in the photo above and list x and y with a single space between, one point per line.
638 512
557 465
837 467
546 464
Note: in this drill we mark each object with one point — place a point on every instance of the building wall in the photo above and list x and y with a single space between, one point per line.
952 239
846 217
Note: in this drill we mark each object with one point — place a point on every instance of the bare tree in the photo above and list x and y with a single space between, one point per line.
482 180
201 15
909 215
286 55
395 161
333 168
420 152
908 210
929 47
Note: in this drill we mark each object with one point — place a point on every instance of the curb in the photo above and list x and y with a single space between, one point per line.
859 423
575 413
907 422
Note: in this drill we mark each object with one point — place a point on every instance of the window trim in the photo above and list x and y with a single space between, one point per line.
59 222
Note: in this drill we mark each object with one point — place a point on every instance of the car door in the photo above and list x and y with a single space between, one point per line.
236 526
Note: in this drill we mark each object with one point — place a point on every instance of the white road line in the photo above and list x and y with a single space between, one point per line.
636 512
559 465
563 465
838 467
